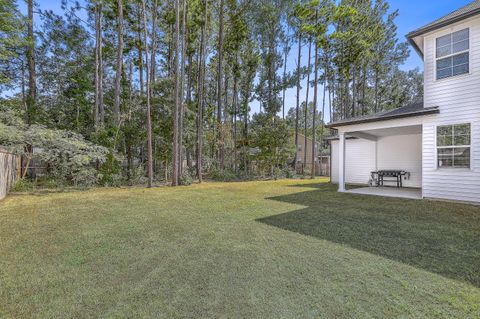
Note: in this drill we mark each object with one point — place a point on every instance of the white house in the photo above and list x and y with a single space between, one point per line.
437 141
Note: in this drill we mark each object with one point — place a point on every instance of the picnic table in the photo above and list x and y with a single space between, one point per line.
395 176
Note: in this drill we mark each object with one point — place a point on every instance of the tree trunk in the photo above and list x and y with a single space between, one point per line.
297 107
153 49
182 89
98 113
245 136
151 82
377 80
32 86
189 77
200 84
140 59
315 98
219 86
149 119
118 74
364 88
178 91
323 119
235 107
354 92
284 82
306 107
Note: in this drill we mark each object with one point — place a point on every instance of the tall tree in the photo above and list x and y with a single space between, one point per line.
286 50
119 64
178 91
98 113
297 106
32 78
220 146
305 114
149 93
181 115
315 98
200 89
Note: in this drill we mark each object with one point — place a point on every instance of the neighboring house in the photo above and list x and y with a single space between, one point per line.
437 141
304 157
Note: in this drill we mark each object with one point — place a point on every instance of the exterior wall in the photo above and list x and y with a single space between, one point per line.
459 101
402 152
359 161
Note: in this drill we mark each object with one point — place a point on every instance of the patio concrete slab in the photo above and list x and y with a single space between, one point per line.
411 193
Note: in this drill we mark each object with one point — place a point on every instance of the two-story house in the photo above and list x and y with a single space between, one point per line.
434 146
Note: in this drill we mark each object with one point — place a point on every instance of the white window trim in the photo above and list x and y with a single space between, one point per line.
454 169
435 59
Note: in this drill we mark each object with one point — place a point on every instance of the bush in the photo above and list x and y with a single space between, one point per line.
48 182
223 175
111 172
186 178
289 172
85 178
138 176
23 185
306 173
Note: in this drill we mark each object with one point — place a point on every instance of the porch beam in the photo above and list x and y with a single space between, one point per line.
364 136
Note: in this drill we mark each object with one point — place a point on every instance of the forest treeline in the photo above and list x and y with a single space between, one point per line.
113 92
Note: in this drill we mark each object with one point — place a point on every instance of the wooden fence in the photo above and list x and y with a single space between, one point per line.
8 172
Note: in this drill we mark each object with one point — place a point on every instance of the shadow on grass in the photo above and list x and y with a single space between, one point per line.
439 237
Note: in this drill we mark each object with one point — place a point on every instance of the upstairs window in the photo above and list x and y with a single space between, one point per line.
453 146
452 54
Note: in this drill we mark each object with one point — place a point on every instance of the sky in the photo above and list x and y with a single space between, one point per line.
412 15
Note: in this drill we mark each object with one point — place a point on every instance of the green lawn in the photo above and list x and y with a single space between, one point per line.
284 249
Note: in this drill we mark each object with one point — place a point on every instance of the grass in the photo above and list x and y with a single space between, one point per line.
281 249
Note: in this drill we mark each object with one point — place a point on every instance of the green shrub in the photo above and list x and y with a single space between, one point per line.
85 178
223 175
186 178
23 185
289 173
138 176
48 182
110 172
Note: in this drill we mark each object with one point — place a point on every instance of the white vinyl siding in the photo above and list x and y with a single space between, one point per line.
359 161
459 101
402 152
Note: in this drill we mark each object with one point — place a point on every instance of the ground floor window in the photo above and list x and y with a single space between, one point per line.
453 146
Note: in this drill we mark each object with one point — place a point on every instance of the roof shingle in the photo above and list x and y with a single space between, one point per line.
415 109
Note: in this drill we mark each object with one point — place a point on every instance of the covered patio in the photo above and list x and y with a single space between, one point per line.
389 141
381 149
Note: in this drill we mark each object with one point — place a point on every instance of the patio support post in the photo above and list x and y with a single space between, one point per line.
341 162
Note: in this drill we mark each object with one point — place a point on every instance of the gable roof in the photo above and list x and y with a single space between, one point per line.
464 12
415 109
